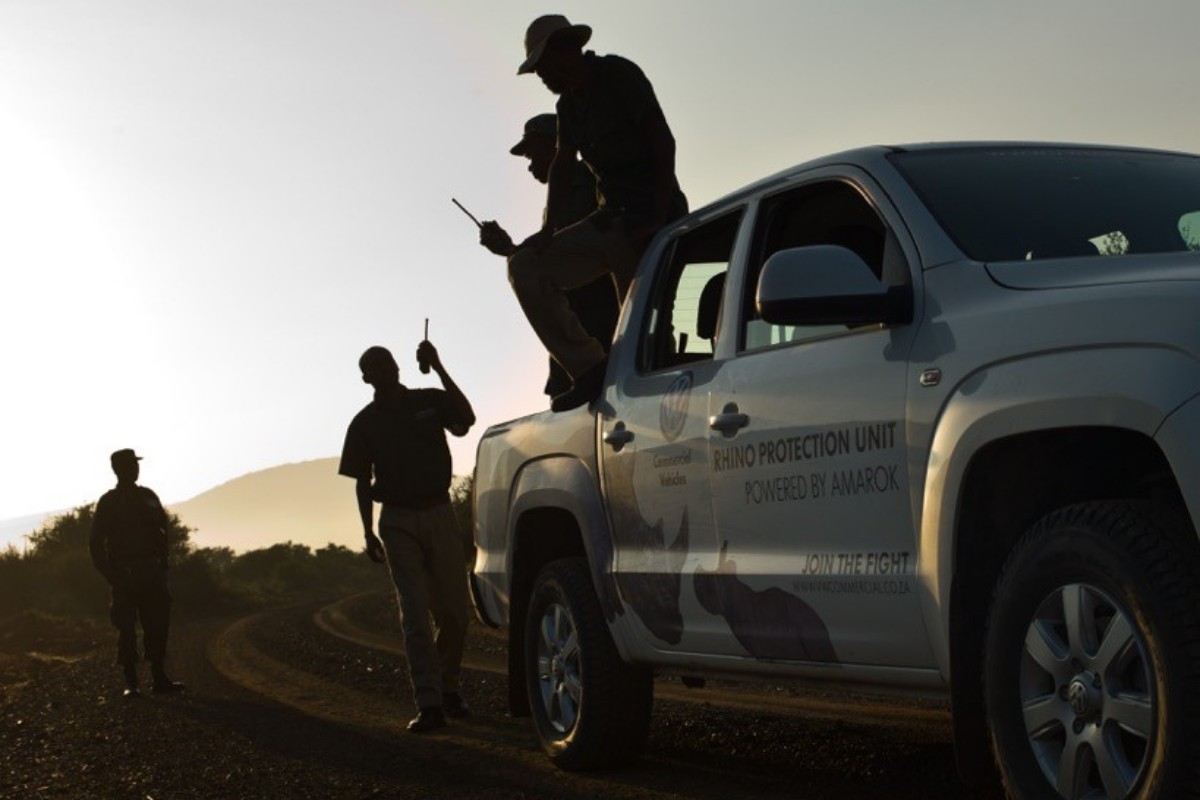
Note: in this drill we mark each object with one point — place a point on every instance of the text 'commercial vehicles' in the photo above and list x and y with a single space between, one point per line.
924 418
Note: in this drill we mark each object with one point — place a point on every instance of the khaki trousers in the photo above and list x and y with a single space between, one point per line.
429 568
596 245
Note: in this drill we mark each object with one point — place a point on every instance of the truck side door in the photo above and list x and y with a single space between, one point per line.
815 552
654 431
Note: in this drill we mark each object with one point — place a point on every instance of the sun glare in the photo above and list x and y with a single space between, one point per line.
65 306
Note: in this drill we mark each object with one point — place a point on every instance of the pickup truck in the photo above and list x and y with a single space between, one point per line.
922 419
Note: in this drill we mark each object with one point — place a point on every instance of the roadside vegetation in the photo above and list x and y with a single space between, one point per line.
55 576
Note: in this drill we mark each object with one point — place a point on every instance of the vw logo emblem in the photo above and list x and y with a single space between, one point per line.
1078 698
672 414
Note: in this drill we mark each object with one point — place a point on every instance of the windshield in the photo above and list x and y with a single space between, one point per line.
1030 203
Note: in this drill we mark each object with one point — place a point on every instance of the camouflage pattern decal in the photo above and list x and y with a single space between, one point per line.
651 587
770 624
602 578
673 410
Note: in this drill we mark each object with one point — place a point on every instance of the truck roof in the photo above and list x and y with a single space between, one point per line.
870 157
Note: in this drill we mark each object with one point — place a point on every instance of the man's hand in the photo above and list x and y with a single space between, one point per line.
375 550
496 239
428 354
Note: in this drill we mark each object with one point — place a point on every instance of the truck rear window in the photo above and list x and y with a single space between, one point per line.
1031 203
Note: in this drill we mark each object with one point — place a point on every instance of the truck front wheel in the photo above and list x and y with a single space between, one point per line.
589 708
1092 660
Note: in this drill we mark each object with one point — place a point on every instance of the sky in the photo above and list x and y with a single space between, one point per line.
210 208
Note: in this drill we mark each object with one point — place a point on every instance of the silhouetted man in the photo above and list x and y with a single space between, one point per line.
128 543
609 115
595 303
399 440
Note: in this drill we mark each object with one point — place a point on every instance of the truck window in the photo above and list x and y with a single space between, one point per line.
1038 203
830 212
682 320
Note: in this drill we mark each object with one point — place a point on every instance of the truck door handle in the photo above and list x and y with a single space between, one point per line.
729 421
618 437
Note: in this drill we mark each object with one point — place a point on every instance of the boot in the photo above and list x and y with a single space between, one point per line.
163 684
427 719
454 706
585 389
131 681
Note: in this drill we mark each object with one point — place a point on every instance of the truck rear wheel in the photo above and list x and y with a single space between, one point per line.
590 709
1092 659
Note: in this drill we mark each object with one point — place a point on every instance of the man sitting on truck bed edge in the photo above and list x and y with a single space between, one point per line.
609 115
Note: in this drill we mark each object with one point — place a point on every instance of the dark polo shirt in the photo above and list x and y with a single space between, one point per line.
608 124
401 442
130 525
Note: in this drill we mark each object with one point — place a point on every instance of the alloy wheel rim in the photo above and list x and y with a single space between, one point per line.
558 665
1087 694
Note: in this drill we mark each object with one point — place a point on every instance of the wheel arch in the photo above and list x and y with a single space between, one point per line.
1130 389
1011 442
1009 485
556 512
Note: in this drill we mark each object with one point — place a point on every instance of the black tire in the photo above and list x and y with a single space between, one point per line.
1109 705
590 709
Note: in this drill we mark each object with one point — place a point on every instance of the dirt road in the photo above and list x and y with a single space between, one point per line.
310 700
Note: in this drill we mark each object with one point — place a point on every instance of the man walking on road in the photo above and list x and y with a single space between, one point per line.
128 543
595 303
609 115
399 441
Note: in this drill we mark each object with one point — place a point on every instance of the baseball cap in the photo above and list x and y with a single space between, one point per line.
120 456
541 125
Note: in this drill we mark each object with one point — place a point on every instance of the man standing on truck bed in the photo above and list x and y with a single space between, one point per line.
609 115
595 303
400 441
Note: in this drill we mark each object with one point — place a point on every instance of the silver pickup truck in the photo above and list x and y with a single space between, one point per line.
923 419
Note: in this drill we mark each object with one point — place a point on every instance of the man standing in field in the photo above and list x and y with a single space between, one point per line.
396 452
595 303
128 543
609 115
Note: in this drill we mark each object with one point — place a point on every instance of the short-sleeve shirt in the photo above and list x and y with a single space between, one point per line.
400 443
608 124
583 199
130 524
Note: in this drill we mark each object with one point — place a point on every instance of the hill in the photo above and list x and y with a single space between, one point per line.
306 503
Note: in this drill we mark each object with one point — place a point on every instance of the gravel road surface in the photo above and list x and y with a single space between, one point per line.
310 701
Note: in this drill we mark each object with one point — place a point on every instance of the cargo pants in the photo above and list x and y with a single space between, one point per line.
427 559
595 246
139 592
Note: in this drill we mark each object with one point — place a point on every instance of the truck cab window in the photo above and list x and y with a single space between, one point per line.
682 321
830 212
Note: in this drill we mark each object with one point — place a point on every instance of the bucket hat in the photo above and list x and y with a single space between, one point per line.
541 30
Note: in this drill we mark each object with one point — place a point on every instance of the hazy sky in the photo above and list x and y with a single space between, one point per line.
209 208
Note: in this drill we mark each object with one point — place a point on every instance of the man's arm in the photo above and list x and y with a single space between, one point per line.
356 463
558 195
650 124
366 512
460 415
662 144
162 523
98 540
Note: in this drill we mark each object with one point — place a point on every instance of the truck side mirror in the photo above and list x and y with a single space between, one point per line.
827 285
